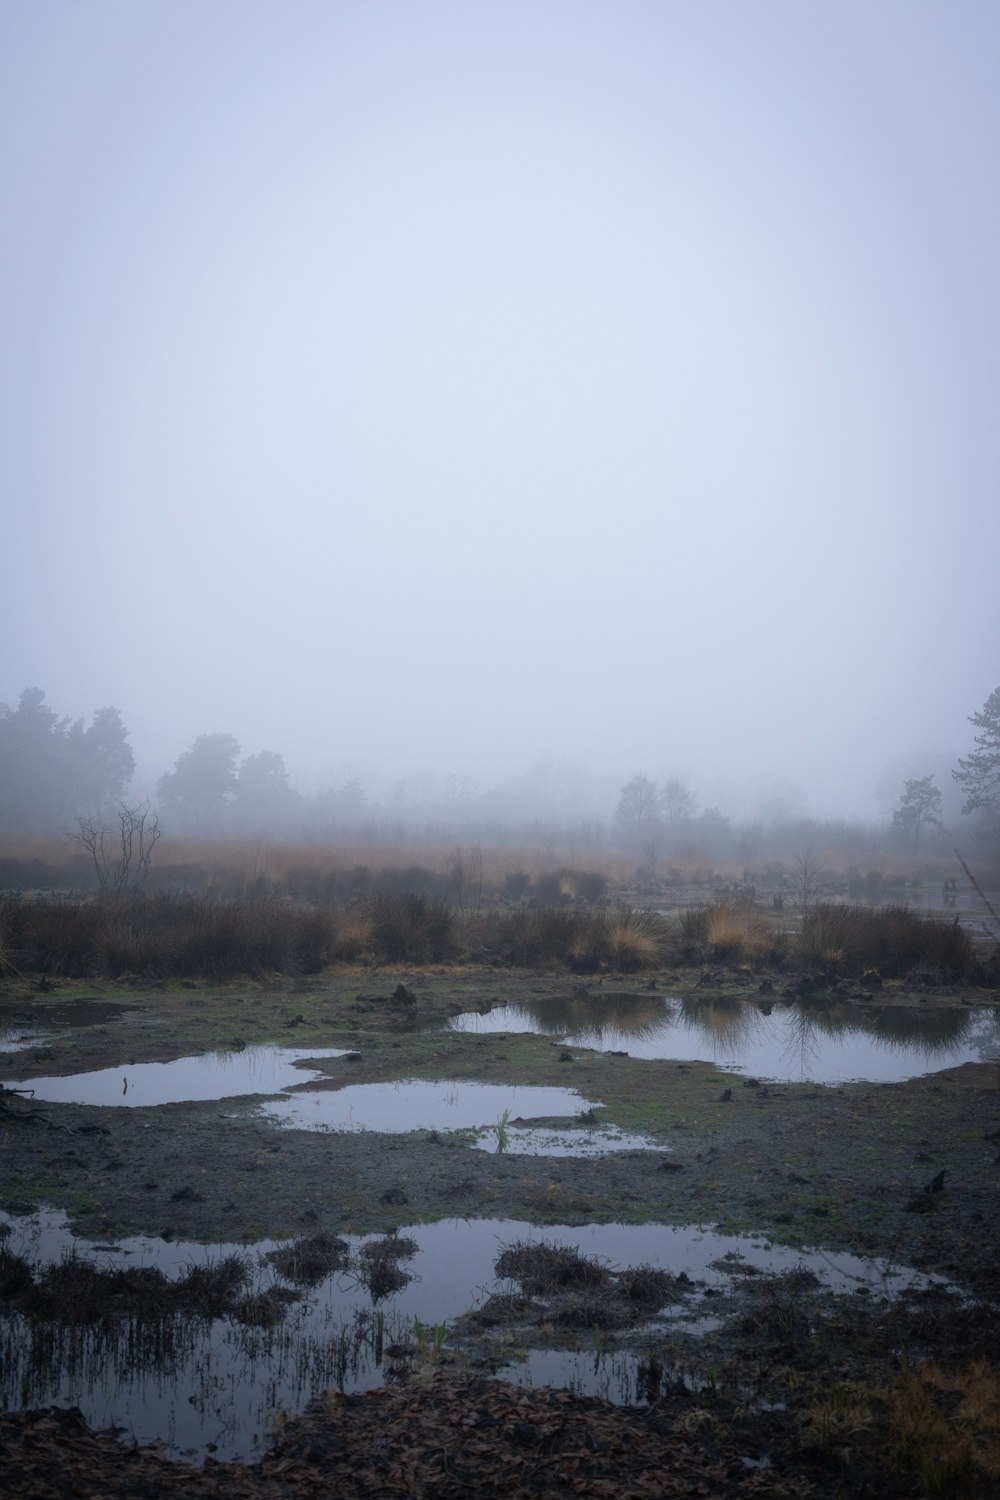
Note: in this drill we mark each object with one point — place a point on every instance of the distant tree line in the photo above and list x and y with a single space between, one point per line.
53 770
56 772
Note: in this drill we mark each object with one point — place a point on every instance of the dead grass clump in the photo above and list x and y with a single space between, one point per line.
935 1430
694 926
259 1310
646 1288
8 968
376 1265
547 889
541 935
730 931
210 1290
320 884
123 946
778 1318
410 929
257 936
75 1291
353 933
51 937
310 1260
167 936
16 1280
892 939
594 1307
736 933
503 1307
634 940
540 1268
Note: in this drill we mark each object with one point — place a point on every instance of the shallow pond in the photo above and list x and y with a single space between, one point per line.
213 1075
416 1104
495 1111
215 1385
782 1042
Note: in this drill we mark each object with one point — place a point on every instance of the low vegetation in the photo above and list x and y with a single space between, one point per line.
178 936
892 939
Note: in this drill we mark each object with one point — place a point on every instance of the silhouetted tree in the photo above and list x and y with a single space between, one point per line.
53 770
979 773
264 798
677 800
638 815
352 802
919 805
202 784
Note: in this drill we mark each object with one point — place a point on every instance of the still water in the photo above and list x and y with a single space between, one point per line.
784 1042
212 1075
203 1386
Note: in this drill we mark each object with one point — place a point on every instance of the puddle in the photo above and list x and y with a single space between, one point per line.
203 1386
781 1042
47 1015
412 1104
213 1075
32 1027
580 1142
388 1107
16 1039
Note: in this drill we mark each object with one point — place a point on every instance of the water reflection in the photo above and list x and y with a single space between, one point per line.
212 1075
202 1385
822 1041
545 1141
17 1038
416 1104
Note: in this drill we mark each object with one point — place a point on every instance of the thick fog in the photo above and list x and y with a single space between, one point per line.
418 390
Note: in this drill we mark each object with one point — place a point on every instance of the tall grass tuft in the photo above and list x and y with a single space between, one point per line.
410 929
634 940
353 933
732 932
893 939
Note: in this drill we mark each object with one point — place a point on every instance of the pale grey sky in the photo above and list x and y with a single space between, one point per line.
420 385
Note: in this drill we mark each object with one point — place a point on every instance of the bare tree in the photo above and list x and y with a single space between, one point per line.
125 867
808 874
677 800
638 817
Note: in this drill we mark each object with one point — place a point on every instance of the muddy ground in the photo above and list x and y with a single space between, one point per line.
842 1168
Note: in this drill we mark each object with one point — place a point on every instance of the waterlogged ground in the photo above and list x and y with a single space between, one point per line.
618 1103
338 1330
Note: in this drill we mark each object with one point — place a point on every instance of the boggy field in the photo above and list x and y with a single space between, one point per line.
802 1377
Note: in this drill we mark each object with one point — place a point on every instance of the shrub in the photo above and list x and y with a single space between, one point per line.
892 939
515 884
547 890
164 936
353 932
591 885
410 929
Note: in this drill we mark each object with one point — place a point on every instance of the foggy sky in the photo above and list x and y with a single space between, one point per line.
406 385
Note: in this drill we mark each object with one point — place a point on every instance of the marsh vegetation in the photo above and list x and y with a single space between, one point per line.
594 1024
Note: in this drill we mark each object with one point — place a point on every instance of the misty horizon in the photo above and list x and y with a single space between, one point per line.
551 791
438 392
